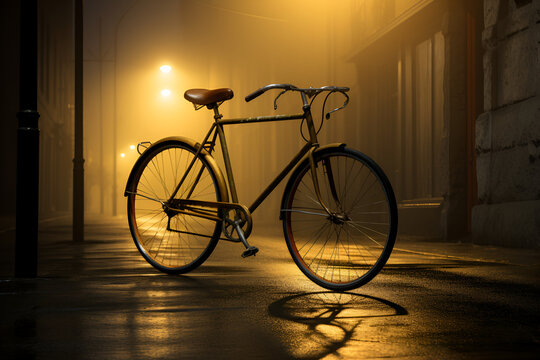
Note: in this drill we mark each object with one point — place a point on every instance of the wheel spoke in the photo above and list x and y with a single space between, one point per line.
189 239
342 250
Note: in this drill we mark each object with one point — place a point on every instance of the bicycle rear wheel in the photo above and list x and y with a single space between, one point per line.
171 242
345 250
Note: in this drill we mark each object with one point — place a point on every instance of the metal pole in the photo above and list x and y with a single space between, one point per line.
26 235
114 129
101 132
78 161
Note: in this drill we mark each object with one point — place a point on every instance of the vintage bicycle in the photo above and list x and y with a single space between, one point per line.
338 209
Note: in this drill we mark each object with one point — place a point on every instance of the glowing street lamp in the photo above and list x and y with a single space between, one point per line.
131 147
165 69
122 155
165 92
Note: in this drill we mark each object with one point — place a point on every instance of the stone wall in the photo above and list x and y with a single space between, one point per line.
508 132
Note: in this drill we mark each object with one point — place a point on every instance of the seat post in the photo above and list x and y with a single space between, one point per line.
226 157
217 115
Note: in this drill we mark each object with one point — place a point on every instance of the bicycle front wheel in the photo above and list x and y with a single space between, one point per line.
172 242
346 249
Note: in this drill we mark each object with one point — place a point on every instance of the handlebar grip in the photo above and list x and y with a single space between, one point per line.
254 94
262 90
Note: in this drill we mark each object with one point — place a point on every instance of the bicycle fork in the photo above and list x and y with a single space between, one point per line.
331 182
313 165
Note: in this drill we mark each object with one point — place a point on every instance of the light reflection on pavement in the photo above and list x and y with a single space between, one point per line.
100 299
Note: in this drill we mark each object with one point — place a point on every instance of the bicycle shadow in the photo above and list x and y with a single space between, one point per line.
322 323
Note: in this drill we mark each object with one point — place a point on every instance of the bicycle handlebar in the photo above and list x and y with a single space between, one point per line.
308 91
264 89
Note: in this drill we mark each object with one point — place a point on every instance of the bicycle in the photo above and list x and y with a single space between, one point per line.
338 209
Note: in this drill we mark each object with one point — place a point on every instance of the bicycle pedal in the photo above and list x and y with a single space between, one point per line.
252 250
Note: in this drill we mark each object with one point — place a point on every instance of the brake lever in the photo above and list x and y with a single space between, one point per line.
277 97
327 116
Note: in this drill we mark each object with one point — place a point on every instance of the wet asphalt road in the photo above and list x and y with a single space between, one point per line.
101 300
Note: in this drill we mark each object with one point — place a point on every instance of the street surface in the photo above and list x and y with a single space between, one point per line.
101 300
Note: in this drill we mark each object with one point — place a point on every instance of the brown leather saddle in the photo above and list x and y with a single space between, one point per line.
210 98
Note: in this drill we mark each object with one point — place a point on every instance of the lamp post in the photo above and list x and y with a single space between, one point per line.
26 235
78 161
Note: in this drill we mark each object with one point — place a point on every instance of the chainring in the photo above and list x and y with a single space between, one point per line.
229 230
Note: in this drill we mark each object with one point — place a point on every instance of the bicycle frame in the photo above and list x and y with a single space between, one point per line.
217 130
180 203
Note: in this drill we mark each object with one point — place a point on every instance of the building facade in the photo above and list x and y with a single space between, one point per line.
508 130
56 94
419 73
452 88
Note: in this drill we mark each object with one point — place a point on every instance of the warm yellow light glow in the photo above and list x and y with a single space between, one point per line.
166 92
132 147
122 155
165 69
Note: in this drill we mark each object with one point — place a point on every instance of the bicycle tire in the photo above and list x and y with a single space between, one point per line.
348 250
172 244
